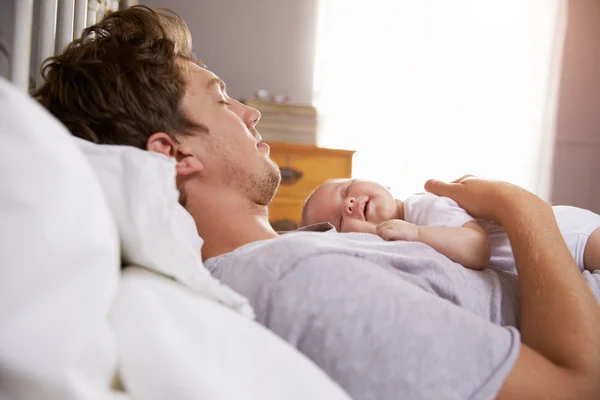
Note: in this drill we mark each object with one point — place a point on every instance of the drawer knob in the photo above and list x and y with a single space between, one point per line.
289 176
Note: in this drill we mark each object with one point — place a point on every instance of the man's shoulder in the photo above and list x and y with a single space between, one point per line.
270 258
258 270
273 258
287 246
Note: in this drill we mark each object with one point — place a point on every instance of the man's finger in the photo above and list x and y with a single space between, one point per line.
462 178
437 187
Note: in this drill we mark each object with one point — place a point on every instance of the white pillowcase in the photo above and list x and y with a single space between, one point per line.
156 231
59 261
175 344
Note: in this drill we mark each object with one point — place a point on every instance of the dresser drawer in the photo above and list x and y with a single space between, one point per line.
285 213
303 168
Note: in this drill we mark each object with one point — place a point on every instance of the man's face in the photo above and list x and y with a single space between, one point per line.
232 151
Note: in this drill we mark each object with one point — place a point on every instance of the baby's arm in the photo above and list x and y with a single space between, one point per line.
467 245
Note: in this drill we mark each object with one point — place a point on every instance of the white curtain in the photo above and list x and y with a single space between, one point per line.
440 88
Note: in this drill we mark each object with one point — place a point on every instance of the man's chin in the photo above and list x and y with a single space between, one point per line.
272 185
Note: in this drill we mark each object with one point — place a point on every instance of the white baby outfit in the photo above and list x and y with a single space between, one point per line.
576 225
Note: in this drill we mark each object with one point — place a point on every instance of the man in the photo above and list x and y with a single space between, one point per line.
385 320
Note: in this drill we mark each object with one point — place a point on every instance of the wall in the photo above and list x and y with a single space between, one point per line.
270 44
257 44
576 175
6 29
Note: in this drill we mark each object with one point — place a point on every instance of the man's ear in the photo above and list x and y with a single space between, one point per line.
162 143
187 162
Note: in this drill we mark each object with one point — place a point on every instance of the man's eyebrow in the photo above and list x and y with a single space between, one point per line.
216 81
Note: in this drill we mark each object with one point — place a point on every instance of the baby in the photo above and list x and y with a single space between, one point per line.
354 205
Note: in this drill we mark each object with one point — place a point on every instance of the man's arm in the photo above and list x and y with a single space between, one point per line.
560 318
467 245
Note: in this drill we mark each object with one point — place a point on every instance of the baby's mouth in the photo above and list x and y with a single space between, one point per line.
365 209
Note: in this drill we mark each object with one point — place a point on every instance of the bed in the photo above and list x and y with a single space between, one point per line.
104 293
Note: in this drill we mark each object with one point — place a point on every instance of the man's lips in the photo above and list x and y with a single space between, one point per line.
259 141
263 145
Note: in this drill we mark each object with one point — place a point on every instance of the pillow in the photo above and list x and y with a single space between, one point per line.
175 344
59 261
156 232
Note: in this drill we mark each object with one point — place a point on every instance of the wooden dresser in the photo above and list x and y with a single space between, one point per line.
303 168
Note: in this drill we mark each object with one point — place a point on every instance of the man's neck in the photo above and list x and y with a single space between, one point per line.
227 224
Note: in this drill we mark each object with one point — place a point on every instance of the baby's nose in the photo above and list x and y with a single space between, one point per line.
350 204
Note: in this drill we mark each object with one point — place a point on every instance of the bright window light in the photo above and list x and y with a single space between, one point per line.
438 88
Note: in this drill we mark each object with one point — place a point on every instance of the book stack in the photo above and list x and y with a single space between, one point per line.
287 123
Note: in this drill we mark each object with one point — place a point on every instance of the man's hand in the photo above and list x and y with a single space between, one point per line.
482 198
396 229
560 318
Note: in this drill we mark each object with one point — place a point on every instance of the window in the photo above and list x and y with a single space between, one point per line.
437 89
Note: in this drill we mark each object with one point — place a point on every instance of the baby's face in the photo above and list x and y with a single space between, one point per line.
351 205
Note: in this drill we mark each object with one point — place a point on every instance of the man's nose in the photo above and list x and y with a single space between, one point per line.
250 116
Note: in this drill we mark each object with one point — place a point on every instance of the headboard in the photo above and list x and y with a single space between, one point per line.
58 23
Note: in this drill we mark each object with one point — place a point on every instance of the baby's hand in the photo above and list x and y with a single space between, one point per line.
396 229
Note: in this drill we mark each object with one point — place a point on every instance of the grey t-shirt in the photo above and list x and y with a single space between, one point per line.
386 320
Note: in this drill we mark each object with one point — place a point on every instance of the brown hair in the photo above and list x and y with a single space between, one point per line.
123 80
